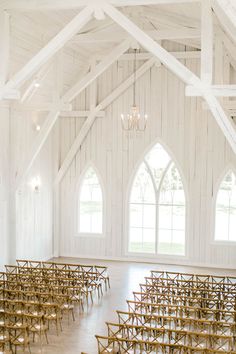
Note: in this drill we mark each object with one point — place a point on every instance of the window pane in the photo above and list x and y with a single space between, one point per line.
157 160
178 242
90 188
149 240
171 238
96 222
142 190
149 217
165 217
90 208
177 238
142 240
225 217
164 244
221 229
135 236
85 225
232 225
178 217
172 188
136 215
171 242
157 168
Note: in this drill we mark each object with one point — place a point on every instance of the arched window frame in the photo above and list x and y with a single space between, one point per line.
78 233
127 208
227 170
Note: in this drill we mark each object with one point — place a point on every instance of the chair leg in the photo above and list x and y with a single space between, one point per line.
100 286
46 336
82 305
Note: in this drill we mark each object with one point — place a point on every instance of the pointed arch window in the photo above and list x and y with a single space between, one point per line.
225 215
90 204
157 206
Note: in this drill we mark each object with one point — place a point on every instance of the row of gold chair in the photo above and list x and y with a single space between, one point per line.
101 272
35 294
193 283
200 278
162 335
176 313
16 282
182 311
108 344
195 301
176 322
149 286
50 276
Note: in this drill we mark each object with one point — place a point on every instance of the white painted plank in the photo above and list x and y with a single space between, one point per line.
90 120
207 39
50 49
74 4
4 46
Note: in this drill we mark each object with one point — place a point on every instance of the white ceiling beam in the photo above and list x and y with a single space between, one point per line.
217 90
225 11
50 49
207 39
91 118
178 69
35 5
80 114
97 70
67 97
225 122
156 49
157 35
229 106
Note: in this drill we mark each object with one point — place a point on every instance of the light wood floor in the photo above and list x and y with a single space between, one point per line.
125 277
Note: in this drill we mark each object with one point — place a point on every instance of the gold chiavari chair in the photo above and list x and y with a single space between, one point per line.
37 326
66 305
13 319
52 314
76 295
103 275
19 337
4 341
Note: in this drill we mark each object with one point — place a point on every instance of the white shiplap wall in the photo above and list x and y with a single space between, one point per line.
191 136
4 183
31 212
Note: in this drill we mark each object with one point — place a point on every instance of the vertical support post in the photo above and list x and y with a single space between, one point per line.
59 80
207 39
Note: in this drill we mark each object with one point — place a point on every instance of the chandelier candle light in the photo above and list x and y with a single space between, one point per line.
134 121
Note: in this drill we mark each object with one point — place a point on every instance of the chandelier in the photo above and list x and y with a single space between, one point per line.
134 120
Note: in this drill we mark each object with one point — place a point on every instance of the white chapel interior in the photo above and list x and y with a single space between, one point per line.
118 176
